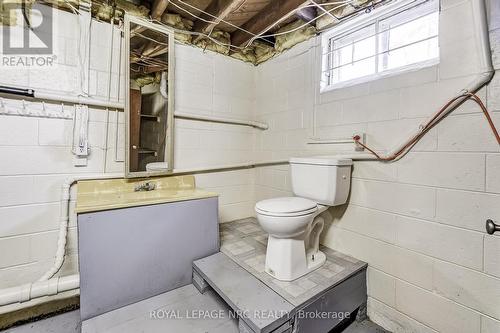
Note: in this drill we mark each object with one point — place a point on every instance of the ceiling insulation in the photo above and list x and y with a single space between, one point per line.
227 22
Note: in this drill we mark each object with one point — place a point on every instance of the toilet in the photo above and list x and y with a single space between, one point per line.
295 223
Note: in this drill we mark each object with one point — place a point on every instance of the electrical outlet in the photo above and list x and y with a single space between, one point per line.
362 140
80 161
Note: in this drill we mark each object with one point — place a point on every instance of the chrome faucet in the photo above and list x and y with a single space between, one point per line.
147 186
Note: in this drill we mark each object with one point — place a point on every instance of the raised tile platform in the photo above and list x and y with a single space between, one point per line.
237 275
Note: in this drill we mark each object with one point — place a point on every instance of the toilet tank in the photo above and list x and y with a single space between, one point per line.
323 179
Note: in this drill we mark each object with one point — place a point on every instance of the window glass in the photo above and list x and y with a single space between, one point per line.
403 38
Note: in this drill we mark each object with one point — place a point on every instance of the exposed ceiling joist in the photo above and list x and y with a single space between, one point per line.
265 19
159 7
218 8
307 14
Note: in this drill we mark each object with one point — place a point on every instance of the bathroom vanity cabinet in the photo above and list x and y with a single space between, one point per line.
135 252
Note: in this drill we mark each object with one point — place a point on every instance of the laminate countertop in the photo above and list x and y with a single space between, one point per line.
106 194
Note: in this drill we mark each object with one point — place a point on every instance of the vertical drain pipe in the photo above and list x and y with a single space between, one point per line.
487 71
47 285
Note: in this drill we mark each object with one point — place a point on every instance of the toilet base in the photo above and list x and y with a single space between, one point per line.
315 260
286 258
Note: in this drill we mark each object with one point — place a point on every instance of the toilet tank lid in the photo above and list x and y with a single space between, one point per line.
321 160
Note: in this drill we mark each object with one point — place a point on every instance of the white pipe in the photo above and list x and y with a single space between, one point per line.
119 105
249 165
163 85
46 285
315 141
64 219
486 72
223 120
79 100
26 292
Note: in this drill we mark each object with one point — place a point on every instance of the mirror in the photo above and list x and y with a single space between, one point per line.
149 101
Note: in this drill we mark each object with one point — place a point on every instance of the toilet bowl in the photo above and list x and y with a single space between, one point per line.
294 224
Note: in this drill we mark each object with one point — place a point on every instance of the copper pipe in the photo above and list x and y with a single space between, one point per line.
431 123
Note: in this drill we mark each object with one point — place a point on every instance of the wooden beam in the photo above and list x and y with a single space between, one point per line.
307 14
218 8
264 20
159 7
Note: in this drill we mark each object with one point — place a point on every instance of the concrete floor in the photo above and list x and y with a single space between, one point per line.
365 326
70 323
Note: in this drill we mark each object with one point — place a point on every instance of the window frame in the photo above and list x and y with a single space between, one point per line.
361 22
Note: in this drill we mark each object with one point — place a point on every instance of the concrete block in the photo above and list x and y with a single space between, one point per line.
460 246
381 286
450 170
466 209
452 66
398 198
491 257
435 311
489 325
18 249
449 30
467 287
25 219
393 320
43 246
18 131
493 173
374 171
365 221
467 133
376 107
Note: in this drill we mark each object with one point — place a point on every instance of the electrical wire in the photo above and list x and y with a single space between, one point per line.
209 14
341 3
194 33
151 39
344 4
430 124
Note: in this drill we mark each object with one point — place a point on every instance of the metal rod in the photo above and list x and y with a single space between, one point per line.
333 141
119 105
221 120
79 100
17 91
217 168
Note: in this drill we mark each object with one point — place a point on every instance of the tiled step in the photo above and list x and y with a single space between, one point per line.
259 307
262 310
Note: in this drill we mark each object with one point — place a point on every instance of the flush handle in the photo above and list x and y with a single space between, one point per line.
491 227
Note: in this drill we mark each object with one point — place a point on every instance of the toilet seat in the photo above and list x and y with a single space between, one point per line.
286 206
306 212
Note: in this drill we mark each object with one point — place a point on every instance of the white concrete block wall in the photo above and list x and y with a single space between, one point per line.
419 222
36 156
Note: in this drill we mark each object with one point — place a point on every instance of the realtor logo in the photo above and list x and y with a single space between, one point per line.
31 31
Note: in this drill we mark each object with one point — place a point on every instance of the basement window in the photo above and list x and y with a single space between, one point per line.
392 39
